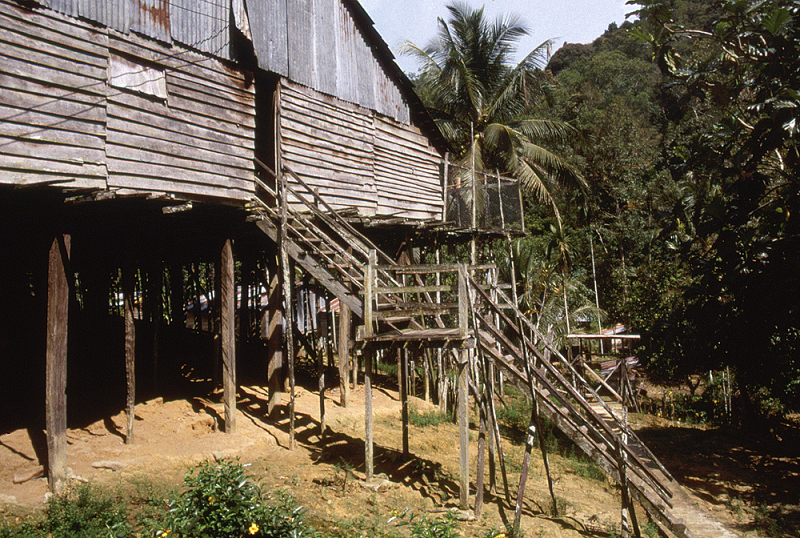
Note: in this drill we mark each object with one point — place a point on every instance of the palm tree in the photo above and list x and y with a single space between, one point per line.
484 105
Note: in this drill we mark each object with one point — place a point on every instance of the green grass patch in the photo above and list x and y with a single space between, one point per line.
430 418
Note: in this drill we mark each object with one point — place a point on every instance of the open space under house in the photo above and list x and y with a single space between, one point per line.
174 173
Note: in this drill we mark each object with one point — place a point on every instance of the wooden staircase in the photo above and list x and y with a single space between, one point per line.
509 339
376 290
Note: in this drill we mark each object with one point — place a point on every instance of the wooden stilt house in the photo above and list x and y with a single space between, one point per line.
165 165
138 142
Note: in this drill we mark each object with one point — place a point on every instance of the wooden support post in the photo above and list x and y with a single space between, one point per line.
344 353
489 394
542 447
176 294
481 457
404 399
227 304
58 267
523 476
128 277
463 429
158 314
400 379
288 310
426 372
368 457
274 337
320 379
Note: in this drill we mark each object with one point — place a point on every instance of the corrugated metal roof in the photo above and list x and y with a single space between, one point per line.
202 25
151 18
339 52
197 24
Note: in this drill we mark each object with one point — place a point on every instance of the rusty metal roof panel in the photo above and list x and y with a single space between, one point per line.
151 18
201 24
198 24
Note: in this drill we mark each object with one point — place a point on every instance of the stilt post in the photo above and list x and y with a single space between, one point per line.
228 334
128 274
58 267
463 429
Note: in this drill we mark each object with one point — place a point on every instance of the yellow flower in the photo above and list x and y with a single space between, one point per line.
253 529
211 500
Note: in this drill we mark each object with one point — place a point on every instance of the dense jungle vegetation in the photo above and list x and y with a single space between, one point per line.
682 185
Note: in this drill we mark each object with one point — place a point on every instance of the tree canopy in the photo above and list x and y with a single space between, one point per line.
486 106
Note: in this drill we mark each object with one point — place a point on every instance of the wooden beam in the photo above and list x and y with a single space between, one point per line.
369 463
228 334
56 357
128 277
288 283
404 398
344 353
274 336
463 429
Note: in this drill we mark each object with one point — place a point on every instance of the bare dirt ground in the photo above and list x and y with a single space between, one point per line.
749 485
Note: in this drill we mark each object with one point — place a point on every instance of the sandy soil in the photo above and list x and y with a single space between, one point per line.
172 436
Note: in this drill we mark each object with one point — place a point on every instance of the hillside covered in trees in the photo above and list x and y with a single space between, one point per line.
690 116
683 209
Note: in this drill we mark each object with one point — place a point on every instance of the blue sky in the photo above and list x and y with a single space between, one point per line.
564 21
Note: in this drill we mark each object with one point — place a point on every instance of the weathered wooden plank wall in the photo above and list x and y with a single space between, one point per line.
358 159
198 141
329 144
407 172
82 107
52 100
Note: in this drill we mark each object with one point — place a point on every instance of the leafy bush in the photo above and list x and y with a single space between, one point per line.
83 511
440 527
222 501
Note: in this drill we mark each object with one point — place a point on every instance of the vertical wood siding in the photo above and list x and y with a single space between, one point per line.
357 159
52 100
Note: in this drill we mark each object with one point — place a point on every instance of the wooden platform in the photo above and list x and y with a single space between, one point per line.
432 337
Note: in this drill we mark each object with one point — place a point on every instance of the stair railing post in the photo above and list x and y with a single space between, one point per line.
369 283
463 301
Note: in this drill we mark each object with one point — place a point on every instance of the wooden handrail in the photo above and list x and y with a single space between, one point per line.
662 490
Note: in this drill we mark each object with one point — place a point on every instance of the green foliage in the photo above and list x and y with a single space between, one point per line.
222 501
431 418
486 107
444 526
82 511
731 145
440 527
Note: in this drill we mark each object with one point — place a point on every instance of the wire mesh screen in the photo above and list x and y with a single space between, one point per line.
494 202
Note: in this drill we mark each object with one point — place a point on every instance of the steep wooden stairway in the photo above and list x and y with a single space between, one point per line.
375 289
508 338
